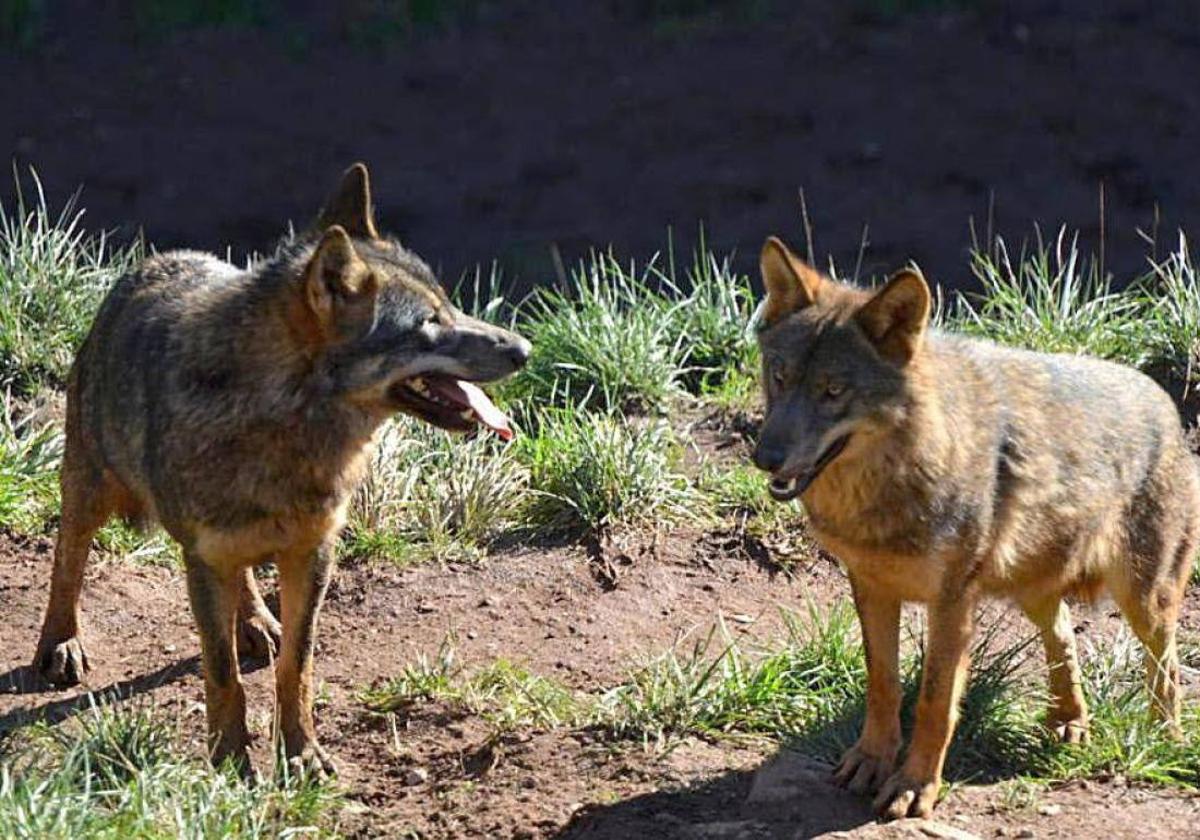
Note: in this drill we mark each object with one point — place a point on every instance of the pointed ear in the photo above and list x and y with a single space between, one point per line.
792 284
339 288
895 318
350 205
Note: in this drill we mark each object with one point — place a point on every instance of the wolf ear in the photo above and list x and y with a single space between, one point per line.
792 284
350 205
339 288
894 319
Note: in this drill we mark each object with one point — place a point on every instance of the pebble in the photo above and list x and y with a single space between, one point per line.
1050 810
416 776
1024 834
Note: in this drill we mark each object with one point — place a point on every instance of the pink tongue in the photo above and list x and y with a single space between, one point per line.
473 397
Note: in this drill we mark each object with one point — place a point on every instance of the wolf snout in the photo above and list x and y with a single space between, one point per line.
516 349
769 458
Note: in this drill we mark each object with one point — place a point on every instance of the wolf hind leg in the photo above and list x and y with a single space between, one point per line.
1067 716
90 495
1151 606
258 631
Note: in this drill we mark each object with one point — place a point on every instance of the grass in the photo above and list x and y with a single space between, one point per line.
807 689
1053 299
431 495
52 277
593 471
507 696
123 772
608 341
30 452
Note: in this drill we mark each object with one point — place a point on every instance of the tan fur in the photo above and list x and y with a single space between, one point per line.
971 471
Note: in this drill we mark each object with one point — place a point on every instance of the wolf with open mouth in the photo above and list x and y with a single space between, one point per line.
237 408
944 470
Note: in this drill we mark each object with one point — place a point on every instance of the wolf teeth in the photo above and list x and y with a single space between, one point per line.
418 385
467 415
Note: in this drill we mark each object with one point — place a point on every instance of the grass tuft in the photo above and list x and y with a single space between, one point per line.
507 696
1052 299
52 277
606 342
122 772
590 471
433 495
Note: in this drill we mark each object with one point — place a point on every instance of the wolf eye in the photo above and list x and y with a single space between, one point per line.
834 389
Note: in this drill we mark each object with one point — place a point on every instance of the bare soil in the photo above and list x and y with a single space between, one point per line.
549 610
581 123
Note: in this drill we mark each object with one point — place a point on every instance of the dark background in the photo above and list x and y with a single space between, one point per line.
496 130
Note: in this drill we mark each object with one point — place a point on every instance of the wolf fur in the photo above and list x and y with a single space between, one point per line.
237 408
942 470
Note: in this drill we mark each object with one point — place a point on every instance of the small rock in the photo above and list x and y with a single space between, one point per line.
1025 834
741 618
933 828
1050 810
416 776
169 648
471 634
426 607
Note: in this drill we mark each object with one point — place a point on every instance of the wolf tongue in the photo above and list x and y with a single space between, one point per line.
472 397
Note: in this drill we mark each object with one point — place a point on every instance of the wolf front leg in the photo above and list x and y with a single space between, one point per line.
912 791
303 579
867 764
214 593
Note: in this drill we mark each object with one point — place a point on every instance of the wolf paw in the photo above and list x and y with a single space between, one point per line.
903 796
258 635
61 663
1073 731
861 771
312 761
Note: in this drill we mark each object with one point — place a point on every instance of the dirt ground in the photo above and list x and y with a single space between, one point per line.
546 610
581 123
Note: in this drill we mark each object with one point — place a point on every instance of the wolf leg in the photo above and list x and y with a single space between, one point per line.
303 579
912 791
258 633
89 497
867 764
214 597
1152 617
1068 714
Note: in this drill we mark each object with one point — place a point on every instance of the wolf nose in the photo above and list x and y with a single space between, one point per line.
769 458
518 350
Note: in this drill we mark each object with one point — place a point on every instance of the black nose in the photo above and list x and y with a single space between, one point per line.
769 458
518 349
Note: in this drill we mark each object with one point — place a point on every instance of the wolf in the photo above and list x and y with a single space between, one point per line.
942 470
237 408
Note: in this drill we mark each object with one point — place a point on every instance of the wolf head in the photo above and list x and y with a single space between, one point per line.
836 365
380 328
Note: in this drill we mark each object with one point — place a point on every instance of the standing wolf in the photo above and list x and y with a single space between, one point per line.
941 470
237 408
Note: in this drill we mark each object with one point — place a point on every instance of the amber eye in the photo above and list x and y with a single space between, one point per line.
834 390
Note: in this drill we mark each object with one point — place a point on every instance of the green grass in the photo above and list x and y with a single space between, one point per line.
30 452
608 341
52 277
505 695
1052 298
124 772
807 689
433 495
592 471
